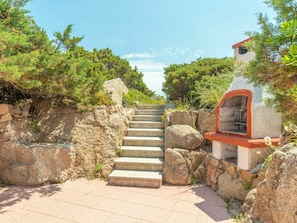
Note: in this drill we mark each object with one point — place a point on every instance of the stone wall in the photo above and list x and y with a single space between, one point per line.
188 159
183 146
228 180
42 142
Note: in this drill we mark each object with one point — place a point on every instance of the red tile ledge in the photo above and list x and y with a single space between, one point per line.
240 141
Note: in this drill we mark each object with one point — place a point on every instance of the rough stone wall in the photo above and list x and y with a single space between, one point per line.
42 142
228 180
186 157
183 147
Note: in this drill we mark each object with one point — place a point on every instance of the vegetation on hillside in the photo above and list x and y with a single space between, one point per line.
199 84
32 65
275 64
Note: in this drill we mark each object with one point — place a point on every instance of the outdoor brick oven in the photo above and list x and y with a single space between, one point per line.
243 120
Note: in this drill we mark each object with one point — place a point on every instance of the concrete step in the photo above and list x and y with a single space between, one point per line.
136 178
159 107
147 118
145 132
139 163
149 112
143 141
146 124
142 151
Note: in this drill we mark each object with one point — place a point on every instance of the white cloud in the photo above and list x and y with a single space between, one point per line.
153 74
148 65
138 55
154 81
152 63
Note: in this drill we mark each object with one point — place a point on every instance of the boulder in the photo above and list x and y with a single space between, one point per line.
182 118
229 188
206 120
277 193
175 169
182 136
35 164
116 88
181 164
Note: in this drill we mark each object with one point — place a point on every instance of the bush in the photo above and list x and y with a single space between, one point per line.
135 95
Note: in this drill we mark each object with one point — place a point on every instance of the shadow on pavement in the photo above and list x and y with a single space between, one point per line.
11 195
213 205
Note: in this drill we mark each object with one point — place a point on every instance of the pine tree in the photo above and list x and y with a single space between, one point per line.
276 56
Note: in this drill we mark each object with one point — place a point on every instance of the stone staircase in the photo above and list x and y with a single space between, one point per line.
141 157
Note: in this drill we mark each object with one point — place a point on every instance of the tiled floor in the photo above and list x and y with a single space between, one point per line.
90 201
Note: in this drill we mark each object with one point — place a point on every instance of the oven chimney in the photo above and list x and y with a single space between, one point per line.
243 119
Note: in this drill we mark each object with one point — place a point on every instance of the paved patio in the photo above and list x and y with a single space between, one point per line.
90 201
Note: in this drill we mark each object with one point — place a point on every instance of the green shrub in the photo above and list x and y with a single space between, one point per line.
135 95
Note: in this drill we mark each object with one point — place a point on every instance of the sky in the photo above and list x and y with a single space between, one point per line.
153 34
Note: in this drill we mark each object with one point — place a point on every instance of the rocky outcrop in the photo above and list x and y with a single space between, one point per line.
43 142
274 199
183 136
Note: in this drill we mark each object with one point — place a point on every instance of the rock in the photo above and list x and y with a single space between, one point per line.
247 176
117 89
175 169
249 201
34 165
193 158
202 172
214 162
277 194
182 136
184 118
231 170
206 121
6 118
4 108
229 188
211 172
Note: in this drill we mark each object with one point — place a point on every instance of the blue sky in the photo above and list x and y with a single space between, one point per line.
152 34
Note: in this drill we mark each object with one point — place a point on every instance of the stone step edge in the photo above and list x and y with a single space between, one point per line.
145 129
149 138
143 148
137 174
140 160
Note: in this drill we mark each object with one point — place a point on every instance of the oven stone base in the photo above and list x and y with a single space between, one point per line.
247 158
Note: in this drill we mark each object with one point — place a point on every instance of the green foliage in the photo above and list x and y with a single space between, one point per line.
195 180
119 151
135 95
248 185
34 66
98 167
275 63
267 161
198 81
33 124
182 104
210 89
